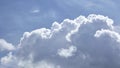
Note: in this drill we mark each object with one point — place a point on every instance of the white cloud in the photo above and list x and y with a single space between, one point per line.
35 11
112 34
5 45
67 52
7 59
80 39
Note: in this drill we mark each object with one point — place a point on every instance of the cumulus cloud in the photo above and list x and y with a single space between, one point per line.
112 34
85 42
5 45
7 59
67 52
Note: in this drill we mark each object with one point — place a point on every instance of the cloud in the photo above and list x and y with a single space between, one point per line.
85 42
42 64
5 45
7 59
35 11
88 4
67 52
112 34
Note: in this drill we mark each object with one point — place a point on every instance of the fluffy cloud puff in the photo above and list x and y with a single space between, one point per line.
85 42
4 45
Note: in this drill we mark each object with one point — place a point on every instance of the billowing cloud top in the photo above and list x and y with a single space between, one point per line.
85 42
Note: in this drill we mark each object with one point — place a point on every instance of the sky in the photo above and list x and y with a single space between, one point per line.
18 16
59 34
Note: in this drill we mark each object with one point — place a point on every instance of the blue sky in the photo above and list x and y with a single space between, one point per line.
18 16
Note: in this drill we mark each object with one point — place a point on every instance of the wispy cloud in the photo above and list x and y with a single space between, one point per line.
35 11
